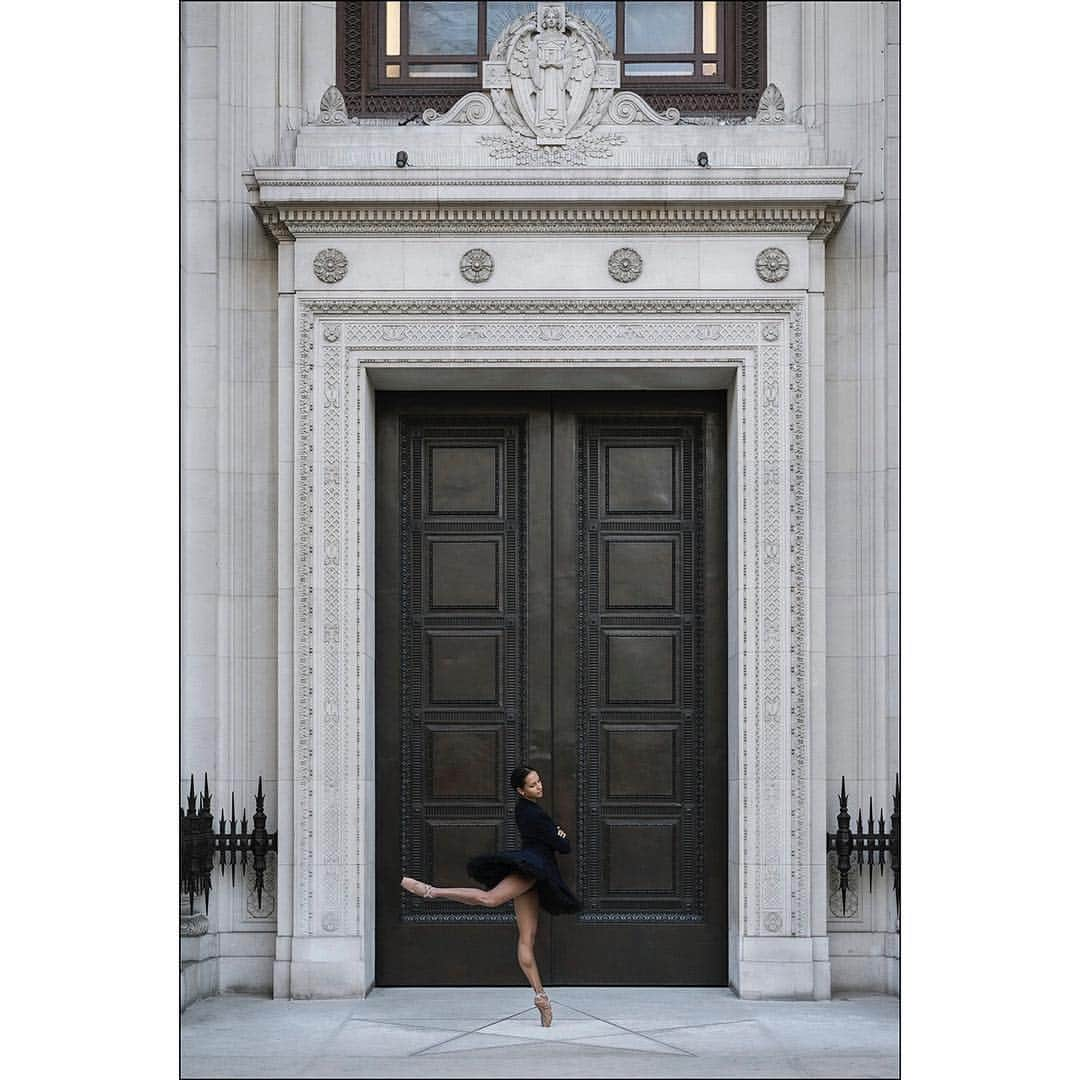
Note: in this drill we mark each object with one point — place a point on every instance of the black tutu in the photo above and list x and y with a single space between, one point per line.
555 897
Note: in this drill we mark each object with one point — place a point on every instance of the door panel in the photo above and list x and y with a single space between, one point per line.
640 710
539 550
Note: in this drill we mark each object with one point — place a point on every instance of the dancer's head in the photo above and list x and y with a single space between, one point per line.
525 780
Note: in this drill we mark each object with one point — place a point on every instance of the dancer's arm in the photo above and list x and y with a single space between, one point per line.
537 826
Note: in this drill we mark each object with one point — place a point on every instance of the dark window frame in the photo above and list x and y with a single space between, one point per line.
734 91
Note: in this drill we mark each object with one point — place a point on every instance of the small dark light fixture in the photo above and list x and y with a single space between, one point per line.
703 159
402 159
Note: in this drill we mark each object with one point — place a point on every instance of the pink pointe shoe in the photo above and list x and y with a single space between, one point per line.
417 888
543 1004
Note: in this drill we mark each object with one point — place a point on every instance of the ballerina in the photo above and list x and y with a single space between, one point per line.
528 875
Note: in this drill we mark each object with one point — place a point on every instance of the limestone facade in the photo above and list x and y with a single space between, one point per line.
315 272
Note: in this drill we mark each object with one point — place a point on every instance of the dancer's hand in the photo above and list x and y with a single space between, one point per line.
558 829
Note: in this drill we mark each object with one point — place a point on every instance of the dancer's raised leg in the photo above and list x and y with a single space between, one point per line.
512 885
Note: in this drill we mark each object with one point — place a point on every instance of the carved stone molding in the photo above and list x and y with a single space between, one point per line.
477 265
284 222
330 265
770 534
772 264
555 338
624 264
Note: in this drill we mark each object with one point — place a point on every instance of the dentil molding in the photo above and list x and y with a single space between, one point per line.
293 222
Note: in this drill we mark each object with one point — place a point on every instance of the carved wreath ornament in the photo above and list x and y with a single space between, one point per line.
624 264
477 265
330 265
772 264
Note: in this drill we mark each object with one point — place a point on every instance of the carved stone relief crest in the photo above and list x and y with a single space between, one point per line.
551 79
477 265
330 265
559 71
624 264
772 264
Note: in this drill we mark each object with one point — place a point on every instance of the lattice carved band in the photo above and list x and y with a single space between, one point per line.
763 339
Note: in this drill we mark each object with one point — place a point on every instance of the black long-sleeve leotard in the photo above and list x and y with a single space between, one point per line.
540 841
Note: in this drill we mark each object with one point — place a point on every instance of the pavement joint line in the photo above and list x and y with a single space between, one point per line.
397 1023
630 1031
524 1040
712 1023
462 1034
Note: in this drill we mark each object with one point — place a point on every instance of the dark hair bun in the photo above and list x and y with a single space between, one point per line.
517 777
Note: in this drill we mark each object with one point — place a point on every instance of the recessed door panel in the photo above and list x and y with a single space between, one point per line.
550 591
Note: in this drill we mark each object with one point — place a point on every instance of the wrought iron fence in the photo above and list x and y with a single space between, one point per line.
845 842
199 844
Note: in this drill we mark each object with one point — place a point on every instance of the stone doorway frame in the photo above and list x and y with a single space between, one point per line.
336 351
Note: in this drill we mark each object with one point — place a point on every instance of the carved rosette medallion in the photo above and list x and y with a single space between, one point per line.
330 332
624 264
771 332
477 265
330 265
772 264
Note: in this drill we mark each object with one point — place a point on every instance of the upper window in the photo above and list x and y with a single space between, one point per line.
700 57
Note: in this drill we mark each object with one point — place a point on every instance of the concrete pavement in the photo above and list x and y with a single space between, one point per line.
495 1032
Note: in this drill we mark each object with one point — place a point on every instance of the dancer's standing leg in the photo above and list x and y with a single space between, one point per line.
527 913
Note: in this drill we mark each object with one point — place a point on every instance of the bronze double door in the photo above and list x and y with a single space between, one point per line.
550 591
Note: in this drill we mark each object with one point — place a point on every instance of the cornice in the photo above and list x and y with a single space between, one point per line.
296 202
807 176
293 222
